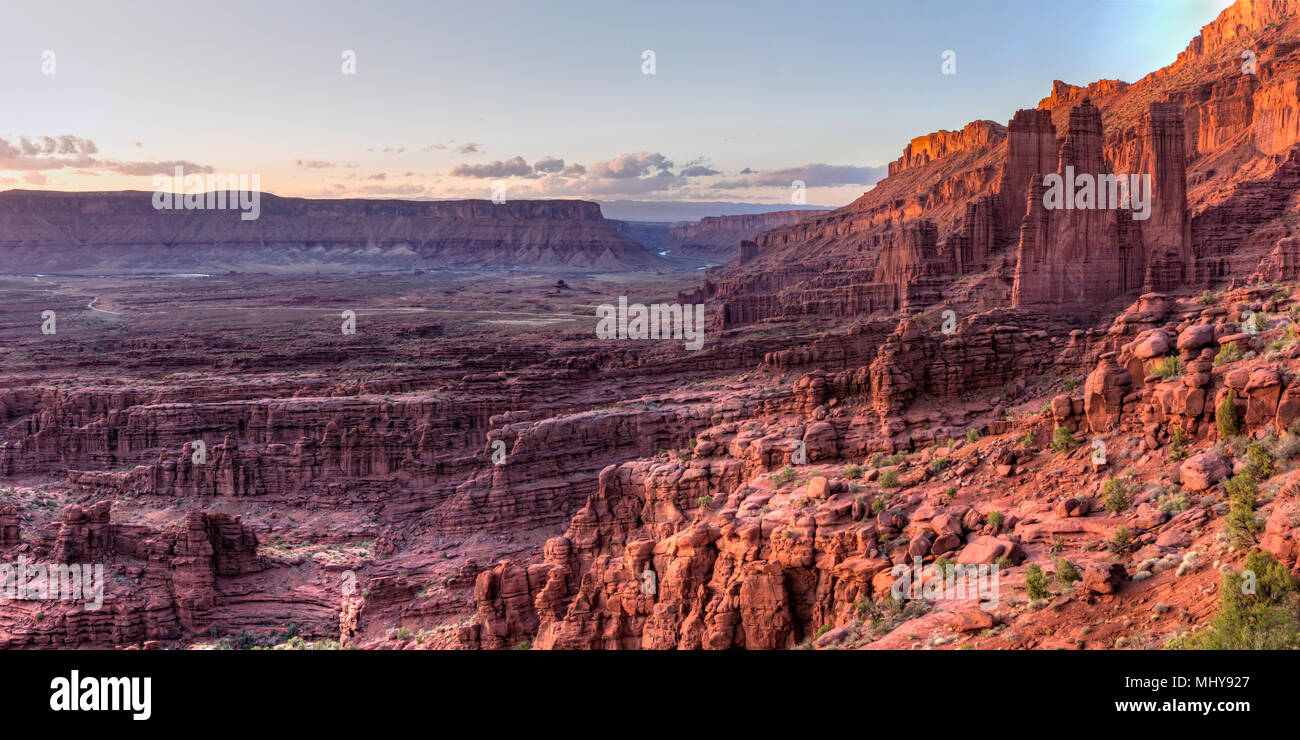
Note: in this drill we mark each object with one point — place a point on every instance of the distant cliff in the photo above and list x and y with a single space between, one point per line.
719 237
123 232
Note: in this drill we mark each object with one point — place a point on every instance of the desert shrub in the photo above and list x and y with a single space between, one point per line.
1225 417
1285 447
822 630
892 612
1028 440
706 501
995 520
1259 462
1035 583
1206 299
785 475
939 464
1121 542
942 565
852 471
1173 502
1115 495
1267 619
1242 524
889 478
1062 440
1169 367
1177 445
1066 572
972 436
1229 352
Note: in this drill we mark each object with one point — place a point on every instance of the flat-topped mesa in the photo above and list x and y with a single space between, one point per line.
925 149
129 232
1166 234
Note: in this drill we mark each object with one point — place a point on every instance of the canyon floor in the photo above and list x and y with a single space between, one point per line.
347 492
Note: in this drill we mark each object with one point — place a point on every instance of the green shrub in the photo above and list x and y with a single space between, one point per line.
1115 494
1242 524
942 565
1173 503
852 471
939 464
786 475
889 478
1062 440
972 436
1066 572
1177 445
1122 542
1169 367
822 630
995 520
706 501
1028 440
1229 352
1225 417
1267 619
1206 299
1259 463
1036 583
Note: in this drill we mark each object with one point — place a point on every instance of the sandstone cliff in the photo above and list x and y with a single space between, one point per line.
122 232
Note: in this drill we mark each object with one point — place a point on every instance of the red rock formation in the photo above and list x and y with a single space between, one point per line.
1031 153
924 149
123 232
717 237
1166 235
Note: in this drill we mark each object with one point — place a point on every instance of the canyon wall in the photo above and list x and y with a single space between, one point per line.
123 232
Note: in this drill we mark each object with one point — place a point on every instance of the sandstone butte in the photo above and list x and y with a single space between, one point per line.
839 422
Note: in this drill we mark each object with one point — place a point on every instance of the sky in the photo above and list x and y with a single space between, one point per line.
543 99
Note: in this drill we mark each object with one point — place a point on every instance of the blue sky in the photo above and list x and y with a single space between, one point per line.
450 97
